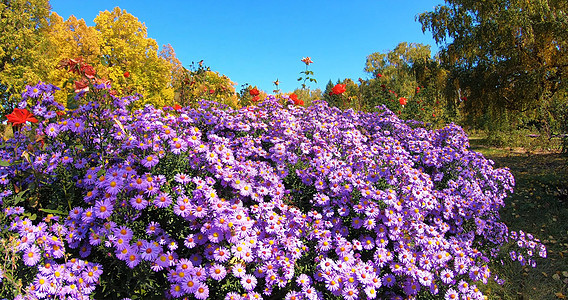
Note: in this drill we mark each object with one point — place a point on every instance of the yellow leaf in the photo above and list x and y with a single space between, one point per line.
560 295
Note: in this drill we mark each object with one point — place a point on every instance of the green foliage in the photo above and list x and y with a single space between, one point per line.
308 95
503 56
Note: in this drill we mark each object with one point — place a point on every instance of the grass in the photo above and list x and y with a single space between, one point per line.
539 205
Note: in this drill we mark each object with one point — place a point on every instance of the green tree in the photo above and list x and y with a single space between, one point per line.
508 58
408 71
308 95
401 68
21 46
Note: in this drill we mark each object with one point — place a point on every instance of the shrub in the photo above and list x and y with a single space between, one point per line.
274 200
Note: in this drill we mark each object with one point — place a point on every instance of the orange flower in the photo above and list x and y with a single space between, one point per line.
177 107
126 74
21 116
338 89
402 101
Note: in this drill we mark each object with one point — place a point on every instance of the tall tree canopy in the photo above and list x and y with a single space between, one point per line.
408 71
21 45
125 47
504 55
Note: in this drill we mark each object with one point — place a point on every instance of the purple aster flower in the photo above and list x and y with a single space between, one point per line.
162 200
451 294
371 292
332 283
52 130
42 283
181 209
189 284
304 280
217 272
239 270
182 178
103 208
349 292
176 290
201 292
233 296
76 126
32 256
221 254
149 250
388 280
123 232
248 282
50 114
150 161
138 202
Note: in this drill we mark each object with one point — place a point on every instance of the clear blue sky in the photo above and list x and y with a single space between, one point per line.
256 42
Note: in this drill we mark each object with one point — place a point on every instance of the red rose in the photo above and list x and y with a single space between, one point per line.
254 92
89 71
255 98
402 101
177 107
338 89
21 116
126 74
307 61
297 101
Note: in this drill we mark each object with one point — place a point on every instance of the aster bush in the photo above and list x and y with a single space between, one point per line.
268 201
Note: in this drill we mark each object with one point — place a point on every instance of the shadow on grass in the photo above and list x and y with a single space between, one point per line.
539 206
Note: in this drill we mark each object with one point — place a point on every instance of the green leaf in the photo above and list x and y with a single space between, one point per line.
52 211
20 196
4 163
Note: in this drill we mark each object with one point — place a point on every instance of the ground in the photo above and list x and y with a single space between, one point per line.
539 205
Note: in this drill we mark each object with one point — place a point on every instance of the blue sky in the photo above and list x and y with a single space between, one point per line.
256 42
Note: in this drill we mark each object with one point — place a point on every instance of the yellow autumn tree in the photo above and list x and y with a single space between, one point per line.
22 45
177 71
201 82
71 39
125 47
